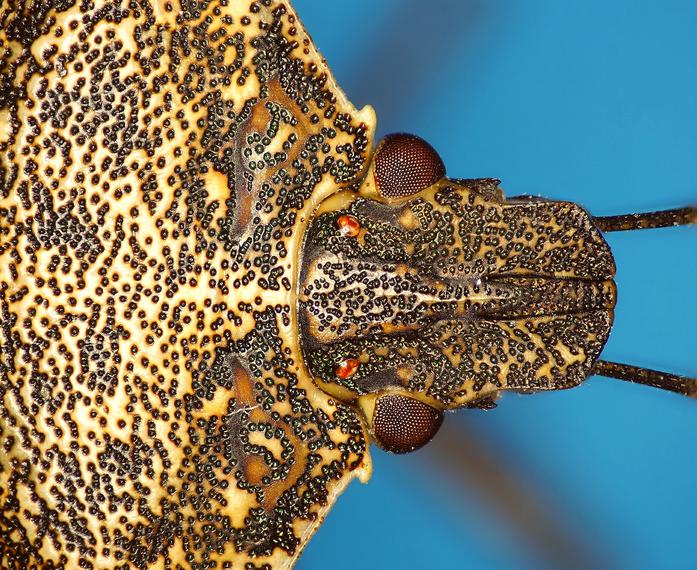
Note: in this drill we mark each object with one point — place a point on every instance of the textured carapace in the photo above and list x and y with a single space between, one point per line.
454 295
211 296
406 164
158 160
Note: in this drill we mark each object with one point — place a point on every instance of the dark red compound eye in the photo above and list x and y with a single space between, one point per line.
402 424
406 164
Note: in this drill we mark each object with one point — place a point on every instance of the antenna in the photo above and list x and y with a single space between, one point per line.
663 380
649 220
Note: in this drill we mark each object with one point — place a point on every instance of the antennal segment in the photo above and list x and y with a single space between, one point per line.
647 221
663 380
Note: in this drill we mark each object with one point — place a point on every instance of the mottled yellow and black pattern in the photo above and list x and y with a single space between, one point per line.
213 292
455 294
158 160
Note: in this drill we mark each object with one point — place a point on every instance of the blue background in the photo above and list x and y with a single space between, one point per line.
595 102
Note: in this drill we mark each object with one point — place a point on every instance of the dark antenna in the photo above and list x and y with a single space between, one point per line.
663 380
649 220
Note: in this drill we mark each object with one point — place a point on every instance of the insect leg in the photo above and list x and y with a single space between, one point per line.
649 220
663 380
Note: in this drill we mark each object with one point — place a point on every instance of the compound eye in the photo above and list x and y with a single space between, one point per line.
402 424
406 164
